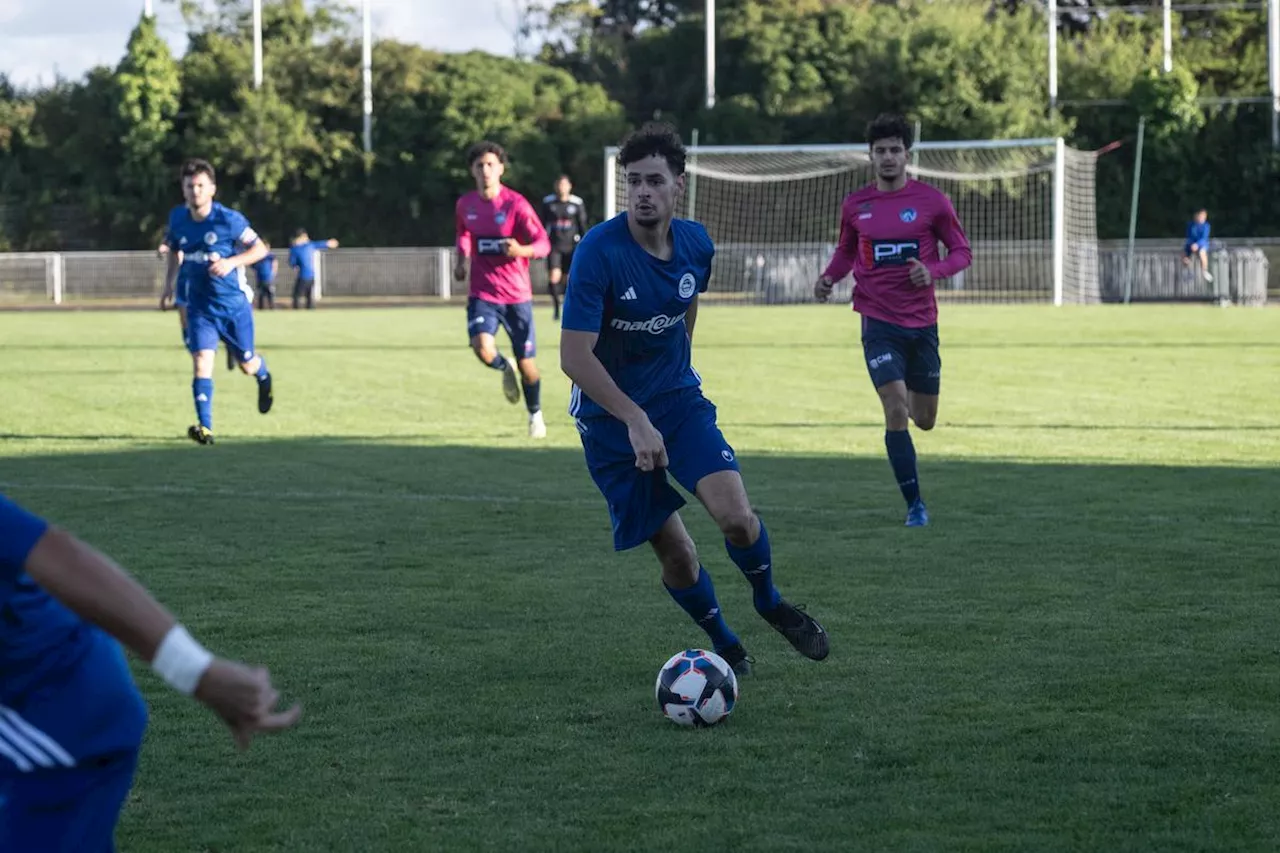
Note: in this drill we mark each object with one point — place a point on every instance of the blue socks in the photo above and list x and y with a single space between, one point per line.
262 373
202 392
902 456
499 362
756 563
699 601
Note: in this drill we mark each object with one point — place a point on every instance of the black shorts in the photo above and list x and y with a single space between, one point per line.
898 353
560 261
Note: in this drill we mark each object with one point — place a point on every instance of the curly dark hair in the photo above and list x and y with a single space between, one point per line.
475 152
196 166
654 139
889 126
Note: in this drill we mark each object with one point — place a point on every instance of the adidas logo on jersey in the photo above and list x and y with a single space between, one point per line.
629 295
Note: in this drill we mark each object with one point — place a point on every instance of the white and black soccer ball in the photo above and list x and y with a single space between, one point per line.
696 688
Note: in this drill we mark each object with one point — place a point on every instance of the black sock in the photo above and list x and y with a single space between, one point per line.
532 395
902 456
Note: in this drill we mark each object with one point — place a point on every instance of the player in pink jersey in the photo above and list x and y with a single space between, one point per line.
500 231
889 236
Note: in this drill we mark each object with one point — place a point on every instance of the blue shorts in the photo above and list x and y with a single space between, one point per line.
72 810
205 329
901 354
68 749
517 318
641 502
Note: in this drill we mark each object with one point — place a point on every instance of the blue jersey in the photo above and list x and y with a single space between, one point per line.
1198 234
263 269
65 689
222 234
637 303
302 257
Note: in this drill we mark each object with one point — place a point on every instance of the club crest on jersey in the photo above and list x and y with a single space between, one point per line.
500 217
688 284
908 215
210 237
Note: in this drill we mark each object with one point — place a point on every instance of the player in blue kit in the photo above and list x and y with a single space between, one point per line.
302 257
71 717
629 313
217 244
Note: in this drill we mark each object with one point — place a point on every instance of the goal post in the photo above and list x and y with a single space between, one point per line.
1028 206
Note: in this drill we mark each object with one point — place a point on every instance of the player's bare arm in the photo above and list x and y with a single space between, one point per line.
578 361
91 585
171 264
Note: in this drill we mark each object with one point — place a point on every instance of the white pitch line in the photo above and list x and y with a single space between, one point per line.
443 497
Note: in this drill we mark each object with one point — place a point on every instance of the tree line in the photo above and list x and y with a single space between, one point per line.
92 162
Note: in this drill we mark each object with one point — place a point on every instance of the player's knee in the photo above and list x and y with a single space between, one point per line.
738 526
679 559
926 420
896 414
484 352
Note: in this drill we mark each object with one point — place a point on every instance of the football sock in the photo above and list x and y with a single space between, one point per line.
499 362
756 563
202 391
699 601
902 456
532 395
262 373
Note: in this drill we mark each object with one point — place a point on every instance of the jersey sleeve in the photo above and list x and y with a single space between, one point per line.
709 249
949 231
846 249
19 533
583 224
530 228
241 231
320 245
463 233
585 293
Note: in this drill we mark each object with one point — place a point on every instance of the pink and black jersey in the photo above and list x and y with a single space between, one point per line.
880 233
483 226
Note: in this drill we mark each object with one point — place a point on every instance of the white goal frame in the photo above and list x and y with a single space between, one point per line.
1058 144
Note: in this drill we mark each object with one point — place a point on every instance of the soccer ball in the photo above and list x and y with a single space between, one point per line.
696 688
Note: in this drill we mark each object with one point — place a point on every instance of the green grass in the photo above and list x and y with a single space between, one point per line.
1081 653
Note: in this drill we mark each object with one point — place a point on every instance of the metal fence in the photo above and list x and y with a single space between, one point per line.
1002 272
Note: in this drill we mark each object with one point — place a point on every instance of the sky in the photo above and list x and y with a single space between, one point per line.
43 38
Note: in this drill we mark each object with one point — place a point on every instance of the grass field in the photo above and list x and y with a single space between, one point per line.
1081 653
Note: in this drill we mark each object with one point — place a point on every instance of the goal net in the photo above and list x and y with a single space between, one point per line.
1028 207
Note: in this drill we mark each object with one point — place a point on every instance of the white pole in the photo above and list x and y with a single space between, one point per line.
1168 36
148 10
257 44
1053 54
366 72
1059 216
610 183
1273 54
1133 207
711 53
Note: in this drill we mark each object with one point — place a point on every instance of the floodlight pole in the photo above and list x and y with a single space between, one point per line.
148 11
257 44
1053 54
366 73
1167 15
1273 63
711 53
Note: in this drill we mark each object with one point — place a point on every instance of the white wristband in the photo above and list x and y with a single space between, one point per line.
181 661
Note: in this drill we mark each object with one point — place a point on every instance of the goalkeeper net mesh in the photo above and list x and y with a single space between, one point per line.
1028 208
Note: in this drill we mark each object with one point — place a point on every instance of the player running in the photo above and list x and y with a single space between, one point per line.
498 229
71 717
219 300
564 215
889 235
629 315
